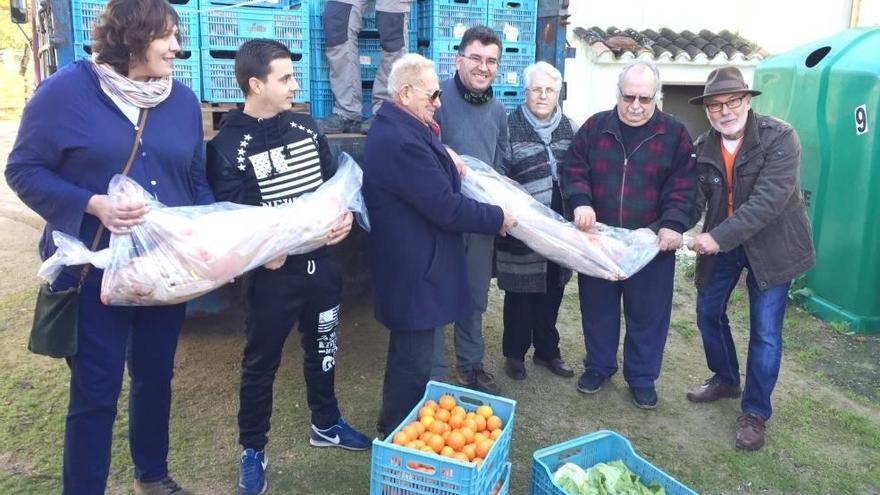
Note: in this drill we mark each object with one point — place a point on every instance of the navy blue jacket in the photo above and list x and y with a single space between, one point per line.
73 139
418 214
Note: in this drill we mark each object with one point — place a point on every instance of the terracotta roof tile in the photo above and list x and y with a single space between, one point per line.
682 46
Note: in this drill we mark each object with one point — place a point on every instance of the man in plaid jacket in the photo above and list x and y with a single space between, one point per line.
631 167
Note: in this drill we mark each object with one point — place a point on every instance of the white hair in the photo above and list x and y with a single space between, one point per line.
658 84
542 68
407 70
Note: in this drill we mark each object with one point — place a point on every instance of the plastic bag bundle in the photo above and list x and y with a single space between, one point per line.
180 253
610 253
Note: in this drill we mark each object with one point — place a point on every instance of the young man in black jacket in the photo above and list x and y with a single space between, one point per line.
267 155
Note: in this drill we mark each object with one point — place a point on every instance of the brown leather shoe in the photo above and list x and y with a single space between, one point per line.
749 432
713 390
556 365
515 368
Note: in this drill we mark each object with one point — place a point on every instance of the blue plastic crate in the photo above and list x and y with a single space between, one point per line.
226 30
589 450
321 98
442 53
514 58
513 20
369 54
447 20
219 84
86 13
186 70
509 96
368 23
207 5
393 467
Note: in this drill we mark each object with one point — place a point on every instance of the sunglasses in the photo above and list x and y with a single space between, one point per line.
432 95
644 100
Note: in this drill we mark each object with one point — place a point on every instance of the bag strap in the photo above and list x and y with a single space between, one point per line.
125 170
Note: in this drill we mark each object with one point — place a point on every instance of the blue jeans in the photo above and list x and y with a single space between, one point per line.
766 313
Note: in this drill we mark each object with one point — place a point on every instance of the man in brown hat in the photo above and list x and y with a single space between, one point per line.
748 167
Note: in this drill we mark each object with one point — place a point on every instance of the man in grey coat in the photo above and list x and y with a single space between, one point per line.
749 168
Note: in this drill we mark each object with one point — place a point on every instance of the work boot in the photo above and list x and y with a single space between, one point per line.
480 380
337 124
556 365
165 486
515 368
749 432
713 390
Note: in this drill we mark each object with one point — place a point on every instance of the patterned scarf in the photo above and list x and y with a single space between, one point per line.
545 129
473 98
141 94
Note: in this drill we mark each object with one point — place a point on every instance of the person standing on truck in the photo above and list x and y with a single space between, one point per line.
77 132
267 155
749 168
343 20
472 122
631 167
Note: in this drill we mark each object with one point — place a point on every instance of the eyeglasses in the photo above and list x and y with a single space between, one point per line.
478 60
432 95
644 100
732 103
548 92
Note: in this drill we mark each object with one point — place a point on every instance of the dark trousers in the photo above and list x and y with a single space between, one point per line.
766 314
530 318
109 337
407 371
647 302
303 292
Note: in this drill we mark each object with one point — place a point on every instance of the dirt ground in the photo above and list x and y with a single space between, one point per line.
827 379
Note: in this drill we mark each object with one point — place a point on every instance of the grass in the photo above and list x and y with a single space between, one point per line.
824 437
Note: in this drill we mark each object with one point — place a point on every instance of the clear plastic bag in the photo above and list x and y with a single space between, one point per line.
180 253
610 253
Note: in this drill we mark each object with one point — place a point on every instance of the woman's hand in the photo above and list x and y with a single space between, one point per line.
118 217
341 230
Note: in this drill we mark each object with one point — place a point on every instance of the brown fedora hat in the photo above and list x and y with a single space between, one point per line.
723 81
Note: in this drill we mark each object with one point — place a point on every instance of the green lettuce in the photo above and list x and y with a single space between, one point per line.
612 478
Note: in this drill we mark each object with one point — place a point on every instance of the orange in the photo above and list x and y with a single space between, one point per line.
447 402
418 444
485 411
455 440
425 436
426 411
437 427
461 457
447 451
427 449
436 443
478 461
445 435
483 448
411 432
431 404
495 434
458 411
468 435
455 422
412 445
493 423
470 415
418 426
400 438
470 450
426 421
442 415
481 423
470 424
479 437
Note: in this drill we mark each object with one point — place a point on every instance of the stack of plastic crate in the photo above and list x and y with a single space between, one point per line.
514 21
441 26
85 13
369 52
224 28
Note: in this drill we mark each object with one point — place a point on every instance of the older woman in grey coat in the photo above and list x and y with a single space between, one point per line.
539 136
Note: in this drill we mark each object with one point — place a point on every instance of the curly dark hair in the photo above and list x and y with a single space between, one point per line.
484 34
127 27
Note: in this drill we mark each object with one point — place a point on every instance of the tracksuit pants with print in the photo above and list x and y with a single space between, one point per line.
111 338
343 20
302 293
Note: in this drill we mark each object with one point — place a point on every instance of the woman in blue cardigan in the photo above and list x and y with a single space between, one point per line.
76 133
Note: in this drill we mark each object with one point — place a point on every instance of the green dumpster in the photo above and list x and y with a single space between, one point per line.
829 91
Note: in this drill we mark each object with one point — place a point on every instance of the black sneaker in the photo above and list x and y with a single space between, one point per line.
337 124
591 382
480 380
644 397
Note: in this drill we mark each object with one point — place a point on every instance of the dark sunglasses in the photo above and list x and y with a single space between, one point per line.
432 95
644 100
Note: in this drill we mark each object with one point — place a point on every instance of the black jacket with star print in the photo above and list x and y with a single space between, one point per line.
268 162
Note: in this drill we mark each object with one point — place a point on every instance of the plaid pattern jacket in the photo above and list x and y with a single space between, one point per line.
653 185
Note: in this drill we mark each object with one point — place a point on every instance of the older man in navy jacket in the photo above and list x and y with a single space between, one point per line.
418 214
